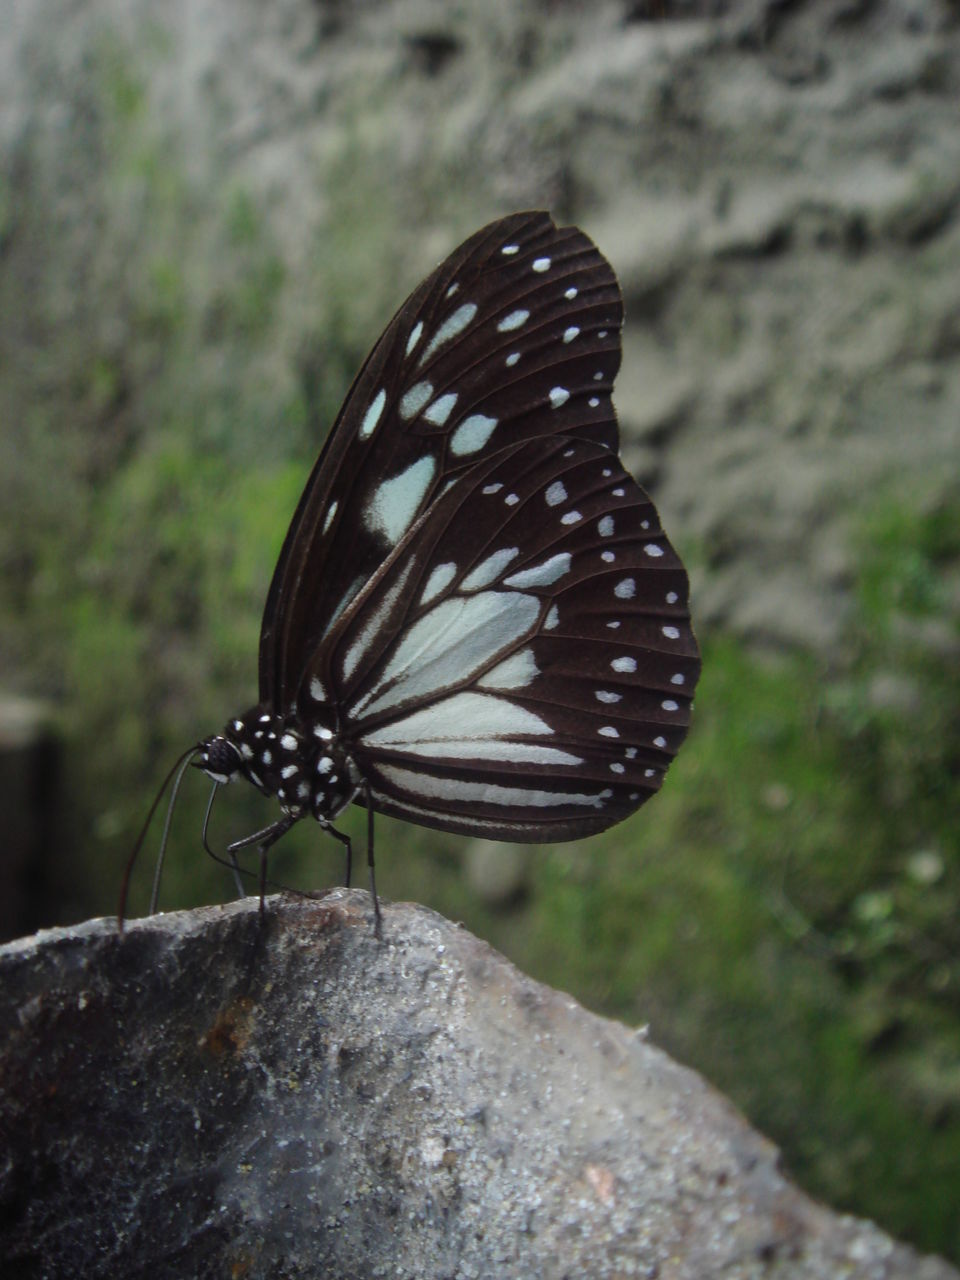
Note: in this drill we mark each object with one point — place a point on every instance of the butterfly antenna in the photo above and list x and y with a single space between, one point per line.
181 764
155 891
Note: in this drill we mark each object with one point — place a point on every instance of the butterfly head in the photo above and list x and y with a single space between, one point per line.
219 758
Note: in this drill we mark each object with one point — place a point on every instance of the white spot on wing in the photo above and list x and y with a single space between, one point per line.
512 359
671 633
441 409
458 718
541 264
624 664
625 589
570 293
571 333
653 550
317 691
555 494
608 731
373 626
394 504
541 575
571 517
604 695
328 518
559 396
472 434
439 579
605 527
491 488
414 338
514 672
552 618
453 640
451 327
509 250
372 416
515 752
515 320
413 400
428 788
489 569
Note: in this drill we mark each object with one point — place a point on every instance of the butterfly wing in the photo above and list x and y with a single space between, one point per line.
522 665
515 336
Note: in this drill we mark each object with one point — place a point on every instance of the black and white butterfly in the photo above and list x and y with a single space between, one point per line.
476 621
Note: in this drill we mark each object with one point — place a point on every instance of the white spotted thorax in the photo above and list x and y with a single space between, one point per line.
297 759
476 622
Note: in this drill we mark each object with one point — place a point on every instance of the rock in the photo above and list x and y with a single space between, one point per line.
212 1095
891 691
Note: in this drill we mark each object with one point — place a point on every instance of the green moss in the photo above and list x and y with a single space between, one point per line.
121 87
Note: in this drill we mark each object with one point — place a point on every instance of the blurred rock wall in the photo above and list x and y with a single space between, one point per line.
777 185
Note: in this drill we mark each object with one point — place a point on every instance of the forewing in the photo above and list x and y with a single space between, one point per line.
514 337
523 665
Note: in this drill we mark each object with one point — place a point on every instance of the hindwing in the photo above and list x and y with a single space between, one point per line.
522 665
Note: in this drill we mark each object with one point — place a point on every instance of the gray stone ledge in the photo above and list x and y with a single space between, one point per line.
206 1096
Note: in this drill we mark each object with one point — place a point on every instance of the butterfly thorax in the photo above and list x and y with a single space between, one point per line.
297 759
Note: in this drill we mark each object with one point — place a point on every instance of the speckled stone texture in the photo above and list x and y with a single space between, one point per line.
209 1095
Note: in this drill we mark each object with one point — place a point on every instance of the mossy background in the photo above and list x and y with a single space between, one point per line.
177 330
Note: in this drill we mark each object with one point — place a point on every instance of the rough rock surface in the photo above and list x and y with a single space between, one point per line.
204 1096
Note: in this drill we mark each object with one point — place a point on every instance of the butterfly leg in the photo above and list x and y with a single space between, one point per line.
344 839
263 839
378 928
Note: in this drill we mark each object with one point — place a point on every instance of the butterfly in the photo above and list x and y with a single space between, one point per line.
476 621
